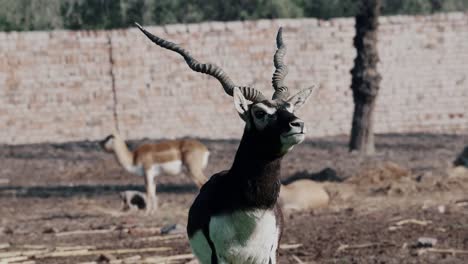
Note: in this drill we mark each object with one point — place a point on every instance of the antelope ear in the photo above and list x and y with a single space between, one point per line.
240 103
299 99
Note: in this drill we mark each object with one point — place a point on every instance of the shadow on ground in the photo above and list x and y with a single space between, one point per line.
86 190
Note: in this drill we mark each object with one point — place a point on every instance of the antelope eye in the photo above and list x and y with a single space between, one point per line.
260 114
288 107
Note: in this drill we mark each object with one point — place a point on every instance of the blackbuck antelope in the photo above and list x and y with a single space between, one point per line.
236 218
150 160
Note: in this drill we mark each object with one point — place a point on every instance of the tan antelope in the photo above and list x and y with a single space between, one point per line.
151 160
303 195
236 218
305 191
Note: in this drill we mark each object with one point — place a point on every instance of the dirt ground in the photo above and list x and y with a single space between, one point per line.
59 203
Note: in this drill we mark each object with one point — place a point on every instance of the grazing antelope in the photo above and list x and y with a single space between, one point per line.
150 160
236 218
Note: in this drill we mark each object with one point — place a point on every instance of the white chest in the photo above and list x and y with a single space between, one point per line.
241 237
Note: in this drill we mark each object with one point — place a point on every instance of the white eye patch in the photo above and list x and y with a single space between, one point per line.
267 109
289 107
263 114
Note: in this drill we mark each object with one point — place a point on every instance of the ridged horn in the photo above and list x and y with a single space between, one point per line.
249 93
281 90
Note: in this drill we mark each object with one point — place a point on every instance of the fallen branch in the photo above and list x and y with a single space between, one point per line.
297 259
161 238
169 258
462 202
129 260
74 248
442 251
344 247
34 246
133 259
86 232
289 246
413 221
85 252
55 254
13 259
21 253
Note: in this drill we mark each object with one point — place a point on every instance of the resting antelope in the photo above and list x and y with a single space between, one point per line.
150 160
236 218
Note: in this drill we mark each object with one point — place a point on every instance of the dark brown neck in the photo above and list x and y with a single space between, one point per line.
256 171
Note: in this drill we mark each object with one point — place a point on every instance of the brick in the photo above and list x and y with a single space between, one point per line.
159 96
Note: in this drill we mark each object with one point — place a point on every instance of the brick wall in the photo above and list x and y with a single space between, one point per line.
65 85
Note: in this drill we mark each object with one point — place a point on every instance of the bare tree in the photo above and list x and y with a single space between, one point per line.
365 77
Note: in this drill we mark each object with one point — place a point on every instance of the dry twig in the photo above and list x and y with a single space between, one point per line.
73 248
13 259
168 259
21 253
86 232
85 252
34 247
413 221
344 247
297 259
442 251
161 238
289 246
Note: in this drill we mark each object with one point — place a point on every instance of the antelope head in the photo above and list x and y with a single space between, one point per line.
270 122
107 144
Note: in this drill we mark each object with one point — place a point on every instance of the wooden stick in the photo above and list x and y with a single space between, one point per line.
71 253
86 232
133 259
13 259
443 251
290 246
85 252
20 253
72 248
169 258
129 260
297 259
34 246
365 245
161 238
413 221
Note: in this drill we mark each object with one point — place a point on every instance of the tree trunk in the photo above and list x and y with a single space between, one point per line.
365 78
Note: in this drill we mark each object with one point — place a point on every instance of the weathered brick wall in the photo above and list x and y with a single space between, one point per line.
64 86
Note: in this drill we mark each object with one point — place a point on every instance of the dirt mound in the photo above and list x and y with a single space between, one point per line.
386 178
380 173
389 178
